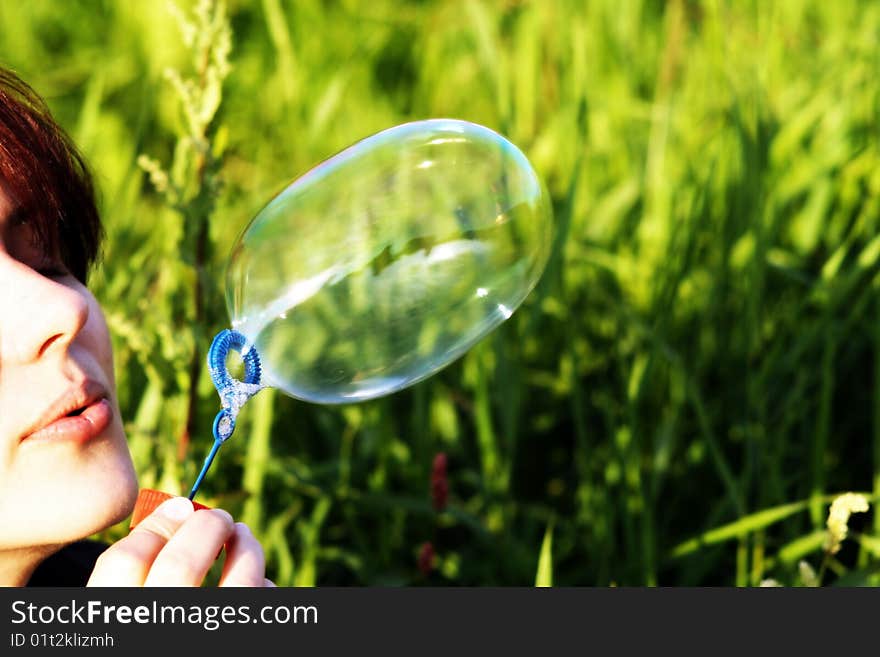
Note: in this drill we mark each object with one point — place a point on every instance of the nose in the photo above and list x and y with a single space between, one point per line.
38 315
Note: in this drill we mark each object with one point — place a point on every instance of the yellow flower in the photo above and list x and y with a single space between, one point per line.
838 518
807 574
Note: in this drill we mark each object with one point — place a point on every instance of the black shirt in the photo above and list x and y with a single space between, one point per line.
70 566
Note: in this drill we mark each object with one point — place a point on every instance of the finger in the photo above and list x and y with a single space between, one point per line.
245 563
189 554
127 562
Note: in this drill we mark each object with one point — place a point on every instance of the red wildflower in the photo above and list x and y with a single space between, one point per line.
439 466
426 558
439 483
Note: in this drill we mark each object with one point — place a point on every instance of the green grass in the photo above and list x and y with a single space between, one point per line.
695 375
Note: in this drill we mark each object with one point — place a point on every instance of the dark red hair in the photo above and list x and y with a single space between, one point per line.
47 177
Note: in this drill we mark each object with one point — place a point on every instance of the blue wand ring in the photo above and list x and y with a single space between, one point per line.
233 393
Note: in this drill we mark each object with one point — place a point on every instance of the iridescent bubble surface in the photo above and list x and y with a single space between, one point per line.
388 261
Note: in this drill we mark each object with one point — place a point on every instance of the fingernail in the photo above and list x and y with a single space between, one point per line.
222 512
177 508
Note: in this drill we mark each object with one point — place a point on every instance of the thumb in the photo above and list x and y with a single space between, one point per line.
128 561
166 519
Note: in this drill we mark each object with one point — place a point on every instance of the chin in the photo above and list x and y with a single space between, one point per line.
113 506
66 495
102 496
89 507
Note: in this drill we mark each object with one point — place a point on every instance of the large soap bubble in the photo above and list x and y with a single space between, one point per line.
388 261
380 266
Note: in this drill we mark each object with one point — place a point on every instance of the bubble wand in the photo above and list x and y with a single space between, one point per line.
233 393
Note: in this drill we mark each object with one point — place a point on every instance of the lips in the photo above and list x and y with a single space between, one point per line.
80 414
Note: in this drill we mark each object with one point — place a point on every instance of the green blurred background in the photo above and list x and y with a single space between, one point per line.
676 403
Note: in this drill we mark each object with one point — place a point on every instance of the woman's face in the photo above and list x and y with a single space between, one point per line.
65 469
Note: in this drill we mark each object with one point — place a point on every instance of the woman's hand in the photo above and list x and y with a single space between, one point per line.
176 546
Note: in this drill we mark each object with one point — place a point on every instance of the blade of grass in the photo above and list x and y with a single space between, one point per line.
544 576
